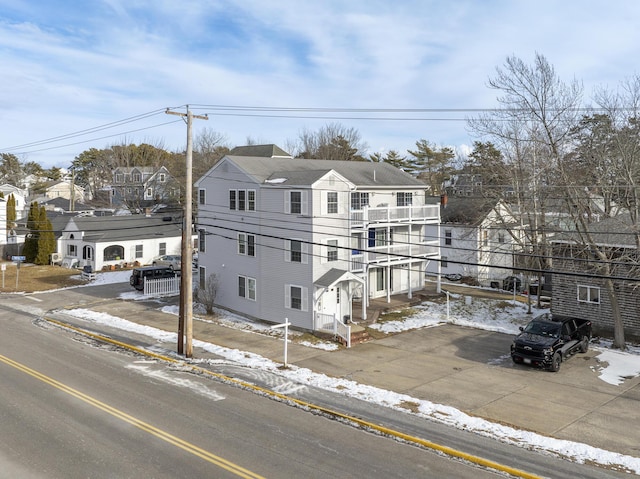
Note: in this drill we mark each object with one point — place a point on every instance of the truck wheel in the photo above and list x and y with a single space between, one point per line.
555 363
584 345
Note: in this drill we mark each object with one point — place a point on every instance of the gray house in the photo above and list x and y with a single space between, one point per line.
580 279
301 239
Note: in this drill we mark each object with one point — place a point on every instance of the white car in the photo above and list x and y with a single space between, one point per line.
174 261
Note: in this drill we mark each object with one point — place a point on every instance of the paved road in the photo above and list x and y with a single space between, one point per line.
72 408
447 365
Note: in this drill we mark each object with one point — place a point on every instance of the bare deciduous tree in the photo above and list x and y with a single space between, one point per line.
331 142
207 295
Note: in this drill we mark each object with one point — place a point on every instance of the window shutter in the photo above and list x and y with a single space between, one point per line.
304 253
305 299
287 202
287 251
304 202
287 296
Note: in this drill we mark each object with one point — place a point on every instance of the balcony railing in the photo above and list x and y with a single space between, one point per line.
393 254
394 214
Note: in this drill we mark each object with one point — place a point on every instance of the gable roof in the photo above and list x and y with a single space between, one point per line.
266 151
465 210
301 172
616 231
100 229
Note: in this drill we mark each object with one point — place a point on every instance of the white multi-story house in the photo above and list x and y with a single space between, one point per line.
299 239
477 239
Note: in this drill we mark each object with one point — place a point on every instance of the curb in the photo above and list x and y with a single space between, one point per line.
304 404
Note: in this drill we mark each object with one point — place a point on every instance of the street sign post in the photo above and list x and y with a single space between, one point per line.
18 260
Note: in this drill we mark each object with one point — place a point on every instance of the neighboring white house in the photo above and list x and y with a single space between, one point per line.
300 239
19 195
476 239
108 241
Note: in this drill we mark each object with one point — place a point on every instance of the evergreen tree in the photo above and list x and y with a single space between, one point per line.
432 164
30 249
46 239
11 211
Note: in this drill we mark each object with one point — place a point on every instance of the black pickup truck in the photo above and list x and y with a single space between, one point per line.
550 339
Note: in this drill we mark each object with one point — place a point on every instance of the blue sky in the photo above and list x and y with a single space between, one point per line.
71 66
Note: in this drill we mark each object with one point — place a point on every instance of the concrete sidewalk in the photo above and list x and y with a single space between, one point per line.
465 368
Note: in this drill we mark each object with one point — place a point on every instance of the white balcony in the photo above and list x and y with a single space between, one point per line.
381 215
399 253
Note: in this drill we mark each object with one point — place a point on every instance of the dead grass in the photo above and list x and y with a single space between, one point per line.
36 278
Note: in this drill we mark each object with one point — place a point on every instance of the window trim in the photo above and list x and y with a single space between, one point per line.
202 196
246 244
332 249
404 198
304 300
448 237
587 293
332 202
245 289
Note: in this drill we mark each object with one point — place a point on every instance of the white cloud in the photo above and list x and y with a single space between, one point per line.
70 68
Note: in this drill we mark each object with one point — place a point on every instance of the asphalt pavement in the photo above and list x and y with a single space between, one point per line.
465 368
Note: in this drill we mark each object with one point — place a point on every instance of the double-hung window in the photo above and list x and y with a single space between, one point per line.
246 244
295 251
242 200
296 202
247 287
404 199
332 202
296 297
332 250
447 237
359 200
202 244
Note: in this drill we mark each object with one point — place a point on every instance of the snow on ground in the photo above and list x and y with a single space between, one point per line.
493 315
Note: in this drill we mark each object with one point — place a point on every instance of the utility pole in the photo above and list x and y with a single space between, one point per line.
185 321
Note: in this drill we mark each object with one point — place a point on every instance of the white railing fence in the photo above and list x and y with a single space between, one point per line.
162 287
329 323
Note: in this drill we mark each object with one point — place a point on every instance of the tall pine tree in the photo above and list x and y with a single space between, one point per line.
11 211
30 250
46 239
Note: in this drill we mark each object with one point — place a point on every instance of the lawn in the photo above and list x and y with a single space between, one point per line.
36 278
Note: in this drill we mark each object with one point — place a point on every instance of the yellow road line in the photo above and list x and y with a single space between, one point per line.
314 407
159 433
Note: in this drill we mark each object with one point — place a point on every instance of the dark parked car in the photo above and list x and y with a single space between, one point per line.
550 339
511 282
138 275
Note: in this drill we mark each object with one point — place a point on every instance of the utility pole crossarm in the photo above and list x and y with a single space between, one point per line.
199 117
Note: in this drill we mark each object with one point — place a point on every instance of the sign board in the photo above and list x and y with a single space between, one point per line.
3 266
18 258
